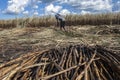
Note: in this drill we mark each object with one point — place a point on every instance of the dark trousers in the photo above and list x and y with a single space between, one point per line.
62 24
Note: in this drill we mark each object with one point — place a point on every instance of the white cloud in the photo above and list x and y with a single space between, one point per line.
84 6
35 13
34 3
39 1
92 4
35 6
56 9
118 2
64 12
83 12
25 12
10 2
74 13
51 7
16 6
95 5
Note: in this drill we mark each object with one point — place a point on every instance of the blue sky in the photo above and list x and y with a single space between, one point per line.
19 8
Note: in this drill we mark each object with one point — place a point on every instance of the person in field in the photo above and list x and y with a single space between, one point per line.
60 21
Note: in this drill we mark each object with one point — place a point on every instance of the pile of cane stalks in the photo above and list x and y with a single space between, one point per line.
74 62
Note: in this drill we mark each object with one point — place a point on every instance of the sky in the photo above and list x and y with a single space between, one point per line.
10 9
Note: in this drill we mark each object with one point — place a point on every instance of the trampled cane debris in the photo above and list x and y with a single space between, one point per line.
74 62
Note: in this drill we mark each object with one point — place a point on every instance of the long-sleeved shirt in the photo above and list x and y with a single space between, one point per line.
59 17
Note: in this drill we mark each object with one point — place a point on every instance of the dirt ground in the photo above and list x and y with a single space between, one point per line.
18 41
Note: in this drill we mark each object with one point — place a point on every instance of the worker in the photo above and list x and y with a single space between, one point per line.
60 19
